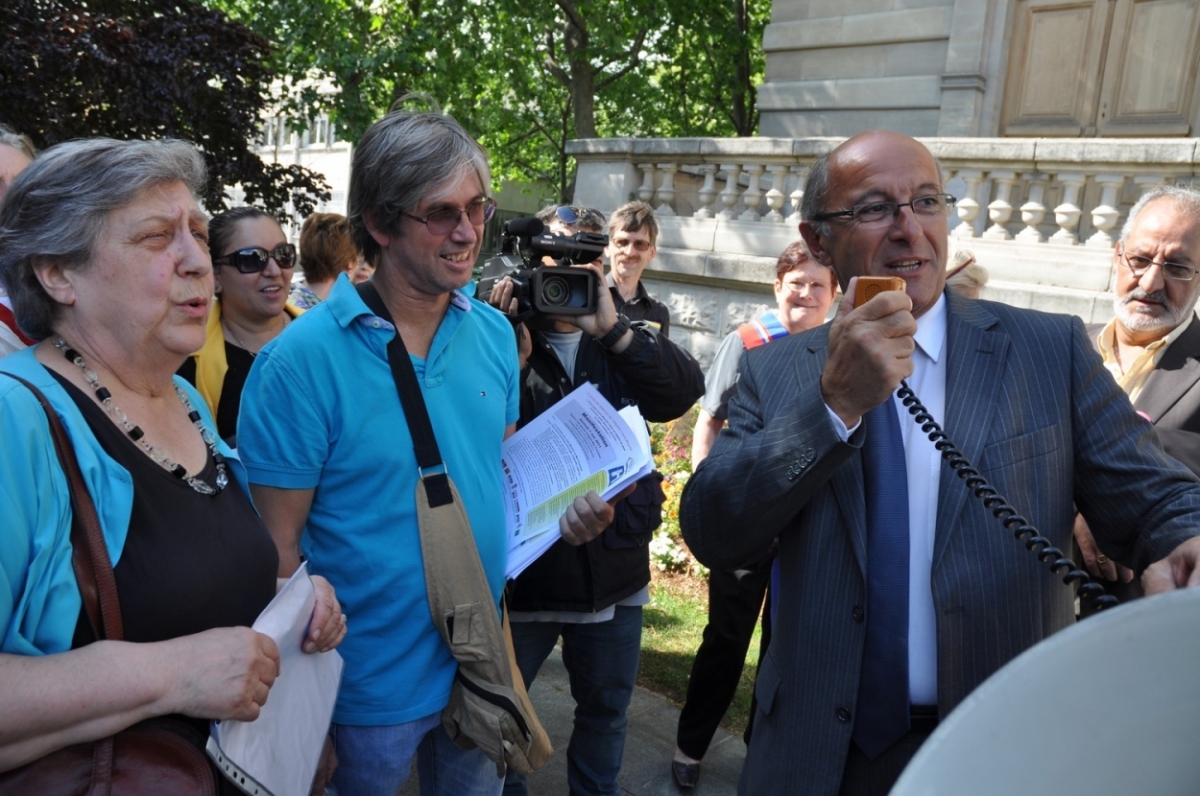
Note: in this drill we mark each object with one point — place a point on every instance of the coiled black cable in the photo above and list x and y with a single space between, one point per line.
1089 592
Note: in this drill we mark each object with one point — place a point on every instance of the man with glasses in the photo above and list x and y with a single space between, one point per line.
1152 346
632 235
591 596
900 592
331 459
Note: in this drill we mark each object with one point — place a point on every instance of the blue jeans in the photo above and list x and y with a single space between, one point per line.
602 663
376 761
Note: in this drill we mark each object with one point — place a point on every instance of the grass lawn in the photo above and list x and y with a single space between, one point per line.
672 626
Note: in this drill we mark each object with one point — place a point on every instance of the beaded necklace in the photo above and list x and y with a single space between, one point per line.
137 435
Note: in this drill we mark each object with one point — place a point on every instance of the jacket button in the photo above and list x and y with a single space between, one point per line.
843 715
583 374
858 613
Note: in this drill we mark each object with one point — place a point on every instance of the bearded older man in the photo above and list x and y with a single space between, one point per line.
1152 346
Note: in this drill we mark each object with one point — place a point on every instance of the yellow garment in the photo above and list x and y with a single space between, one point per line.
211 364
1133 379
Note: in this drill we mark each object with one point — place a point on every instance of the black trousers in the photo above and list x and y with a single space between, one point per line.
735 599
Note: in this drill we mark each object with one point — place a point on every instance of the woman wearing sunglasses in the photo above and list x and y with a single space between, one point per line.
252 269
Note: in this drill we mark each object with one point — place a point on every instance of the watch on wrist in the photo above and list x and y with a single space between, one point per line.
614 334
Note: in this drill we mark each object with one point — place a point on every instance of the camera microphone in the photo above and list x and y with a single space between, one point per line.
523 227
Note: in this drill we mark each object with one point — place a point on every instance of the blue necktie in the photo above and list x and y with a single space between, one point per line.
883 710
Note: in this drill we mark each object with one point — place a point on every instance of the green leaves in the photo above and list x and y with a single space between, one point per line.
146 69
523 77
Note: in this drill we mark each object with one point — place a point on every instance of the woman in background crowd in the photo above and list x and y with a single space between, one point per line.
103 247
16 152
252 268
326 250
361 271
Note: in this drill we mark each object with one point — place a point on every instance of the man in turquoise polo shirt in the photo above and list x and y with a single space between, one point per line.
331 461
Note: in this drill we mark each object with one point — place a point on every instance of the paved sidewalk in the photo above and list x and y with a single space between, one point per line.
649 744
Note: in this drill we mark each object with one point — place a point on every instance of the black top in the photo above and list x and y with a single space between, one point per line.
663 380
238 361
191 562
641 307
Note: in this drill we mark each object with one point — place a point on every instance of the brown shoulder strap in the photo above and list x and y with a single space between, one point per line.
93 569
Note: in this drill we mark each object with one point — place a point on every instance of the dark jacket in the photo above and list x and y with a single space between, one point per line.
663 381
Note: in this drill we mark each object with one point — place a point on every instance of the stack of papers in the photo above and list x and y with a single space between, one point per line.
581 444
277 753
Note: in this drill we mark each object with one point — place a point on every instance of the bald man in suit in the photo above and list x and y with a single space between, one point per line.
844 698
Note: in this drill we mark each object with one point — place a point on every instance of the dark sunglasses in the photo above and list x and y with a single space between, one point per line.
253 259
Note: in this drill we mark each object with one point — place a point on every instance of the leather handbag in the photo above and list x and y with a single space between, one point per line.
145 759
489 707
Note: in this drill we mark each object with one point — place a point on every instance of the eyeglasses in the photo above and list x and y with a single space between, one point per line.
1140 265
625 243
443 222
878 213
253 259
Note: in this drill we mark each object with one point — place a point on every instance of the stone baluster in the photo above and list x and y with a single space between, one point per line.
775 197
753 195
797 194
708 191
967 207
729 196
646 191
666 190
1067 214
1105 214
999 209
1034 210
1147 182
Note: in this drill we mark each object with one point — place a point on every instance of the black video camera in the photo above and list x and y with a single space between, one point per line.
540 289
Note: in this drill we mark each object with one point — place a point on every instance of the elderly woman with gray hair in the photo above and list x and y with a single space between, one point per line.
103 249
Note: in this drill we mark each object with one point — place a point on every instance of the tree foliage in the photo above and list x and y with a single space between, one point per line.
148 69
524 78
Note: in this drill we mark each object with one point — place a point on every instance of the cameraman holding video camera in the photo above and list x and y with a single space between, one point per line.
592 595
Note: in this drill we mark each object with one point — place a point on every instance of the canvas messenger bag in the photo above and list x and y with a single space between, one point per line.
489 707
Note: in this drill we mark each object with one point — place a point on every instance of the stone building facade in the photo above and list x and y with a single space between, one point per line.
950 68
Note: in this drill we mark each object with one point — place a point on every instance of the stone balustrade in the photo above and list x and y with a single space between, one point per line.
1041 214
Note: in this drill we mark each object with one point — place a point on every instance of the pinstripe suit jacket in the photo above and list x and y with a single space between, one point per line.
1029 402
1171 396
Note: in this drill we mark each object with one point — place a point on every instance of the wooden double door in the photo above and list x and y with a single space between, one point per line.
1103 68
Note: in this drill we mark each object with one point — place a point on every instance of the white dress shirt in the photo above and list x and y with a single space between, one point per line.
923 464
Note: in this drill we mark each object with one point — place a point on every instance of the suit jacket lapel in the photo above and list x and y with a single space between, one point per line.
1178 370
977 351
847 480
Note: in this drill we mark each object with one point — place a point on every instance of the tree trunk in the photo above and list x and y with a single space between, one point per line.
583 76
742 97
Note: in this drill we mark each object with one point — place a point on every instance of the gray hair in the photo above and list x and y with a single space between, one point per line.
816 194
588 219
1186 199
19 142
972 277
402 158
56 209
